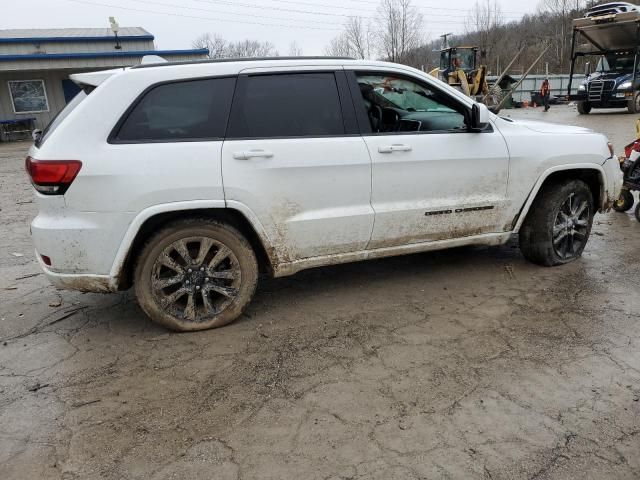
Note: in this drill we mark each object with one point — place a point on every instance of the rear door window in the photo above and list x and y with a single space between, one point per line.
287 105
193 110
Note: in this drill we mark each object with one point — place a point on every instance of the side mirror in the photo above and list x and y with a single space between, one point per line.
479 117
587 69
36 134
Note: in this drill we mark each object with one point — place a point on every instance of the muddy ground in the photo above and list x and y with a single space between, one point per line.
470 363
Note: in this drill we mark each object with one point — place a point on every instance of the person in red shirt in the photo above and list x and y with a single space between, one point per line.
545 93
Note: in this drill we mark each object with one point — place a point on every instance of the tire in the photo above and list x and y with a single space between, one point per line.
625 201
195 274
584 108
551 235
637 212
633 105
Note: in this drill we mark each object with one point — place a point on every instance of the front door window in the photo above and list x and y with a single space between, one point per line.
397 104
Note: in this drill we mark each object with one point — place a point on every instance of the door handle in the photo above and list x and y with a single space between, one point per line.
396 147
247 154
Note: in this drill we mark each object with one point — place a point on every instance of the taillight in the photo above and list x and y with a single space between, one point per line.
52 177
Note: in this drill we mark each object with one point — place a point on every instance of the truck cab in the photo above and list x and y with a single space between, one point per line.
612 44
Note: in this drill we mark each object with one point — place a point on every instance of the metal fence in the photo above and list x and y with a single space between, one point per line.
558 83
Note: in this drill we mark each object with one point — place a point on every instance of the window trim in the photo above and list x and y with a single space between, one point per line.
347 109
363 118
113 139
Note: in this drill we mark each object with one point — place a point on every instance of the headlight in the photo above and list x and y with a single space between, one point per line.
624 86
582 88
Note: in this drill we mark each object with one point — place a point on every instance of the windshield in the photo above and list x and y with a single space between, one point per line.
615 64
467 58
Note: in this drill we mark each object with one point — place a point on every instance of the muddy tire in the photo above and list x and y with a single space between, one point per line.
625 201
584 108
195 274
637 212
558 225
633 105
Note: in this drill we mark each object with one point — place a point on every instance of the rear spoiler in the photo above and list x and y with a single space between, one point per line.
90 80
93 79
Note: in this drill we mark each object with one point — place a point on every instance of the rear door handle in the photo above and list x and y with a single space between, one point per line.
396 147
247 154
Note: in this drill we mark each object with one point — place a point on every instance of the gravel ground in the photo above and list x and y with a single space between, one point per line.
470 363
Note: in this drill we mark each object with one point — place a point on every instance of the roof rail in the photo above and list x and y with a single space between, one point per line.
238 59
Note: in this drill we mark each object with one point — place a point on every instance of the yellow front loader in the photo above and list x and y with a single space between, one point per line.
458 68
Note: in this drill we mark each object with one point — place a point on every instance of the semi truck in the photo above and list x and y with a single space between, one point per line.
608 36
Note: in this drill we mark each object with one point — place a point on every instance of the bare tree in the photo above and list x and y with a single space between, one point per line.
294 49
338 47
400 26
562 12
215 43
358 36
483 23
251 48
220 48
507 38
355 41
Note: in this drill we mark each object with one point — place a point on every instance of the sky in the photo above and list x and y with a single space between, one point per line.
311 24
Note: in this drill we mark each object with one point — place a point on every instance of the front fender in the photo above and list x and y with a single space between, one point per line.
563 168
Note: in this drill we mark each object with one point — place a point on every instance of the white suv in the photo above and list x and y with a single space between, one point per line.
187 179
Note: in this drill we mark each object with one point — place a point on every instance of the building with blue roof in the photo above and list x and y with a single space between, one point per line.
35 65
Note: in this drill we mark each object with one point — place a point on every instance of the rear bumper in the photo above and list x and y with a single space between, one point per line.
81 282
79 243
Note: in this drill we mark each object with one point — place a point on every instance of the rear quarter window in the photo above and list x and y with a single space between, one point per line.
60 117
179 111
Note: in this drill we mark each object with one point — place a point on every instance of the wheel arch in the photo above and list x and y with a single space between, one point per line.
592 174
149 221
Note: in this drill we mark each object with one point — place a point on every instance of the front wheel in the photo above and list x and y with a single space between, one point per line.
559 223
633 105
584 108
625 201
195 274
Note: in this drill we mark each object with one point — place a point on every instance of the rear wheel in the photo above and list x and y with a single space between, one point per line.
633 105
637 212
625 201
584 108
195 275
558 225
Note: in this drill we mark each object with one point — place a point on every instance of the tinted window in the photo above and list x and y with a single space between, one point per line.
291 105
191 110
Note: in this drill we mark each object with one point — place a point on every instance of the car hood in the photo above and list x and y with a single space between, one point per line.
544 127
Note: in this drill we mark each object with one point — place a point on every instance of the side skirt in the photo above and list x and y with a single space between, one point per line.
289 268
